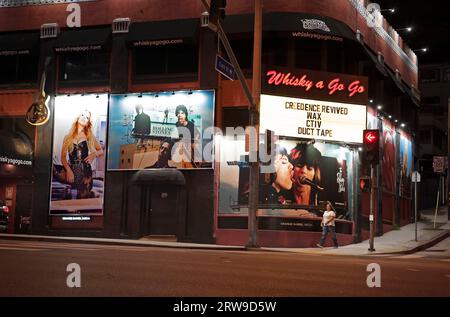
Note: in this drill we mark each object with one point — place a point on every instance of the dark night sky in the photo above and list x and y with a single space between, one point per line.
431 22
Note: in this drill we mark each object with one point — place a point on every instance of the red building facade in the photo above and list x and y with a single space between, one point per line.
163 51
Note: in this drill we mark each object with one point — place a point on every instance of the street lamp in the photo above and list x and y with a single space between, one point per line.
392 10
407 29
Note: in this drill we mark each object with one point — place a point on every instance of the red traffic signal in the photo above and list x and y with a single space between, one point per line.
371 146
364 184
371 136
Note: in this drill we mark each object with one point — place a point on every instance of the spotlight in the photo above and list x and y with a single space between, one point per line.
379 107
402 125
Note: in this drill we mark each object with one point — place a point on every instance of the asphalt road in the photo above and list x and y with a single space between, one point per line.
39 269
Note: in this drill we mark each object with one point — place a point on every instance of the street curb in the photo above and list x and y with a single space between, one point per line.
418 248
115 242
181 245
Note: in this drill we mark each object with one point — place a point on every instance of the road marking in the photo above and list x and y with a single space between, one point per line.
407 257
45 246
21 249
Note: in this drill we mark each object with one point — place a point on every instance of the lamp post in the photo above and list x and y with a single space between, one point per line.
254 123
253 99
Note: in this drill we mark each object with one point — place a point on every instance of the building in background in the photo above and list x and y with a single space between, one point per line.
153 62
433 128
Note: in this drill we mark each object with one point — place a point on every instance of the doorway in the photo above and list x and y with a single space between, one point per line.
24 205
159 210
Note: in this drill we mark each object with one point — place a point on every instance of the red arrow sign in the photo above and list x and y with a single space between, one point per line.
371 137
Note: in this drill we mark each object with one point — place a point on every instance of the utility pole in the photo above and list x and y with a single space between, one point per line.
253 99
371 217
254 123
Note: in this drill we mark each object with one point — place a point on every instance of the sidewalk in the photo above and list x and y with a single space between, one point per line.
393 242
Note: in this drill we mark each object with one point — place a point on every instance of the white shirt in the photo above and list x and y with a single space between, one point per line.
327 215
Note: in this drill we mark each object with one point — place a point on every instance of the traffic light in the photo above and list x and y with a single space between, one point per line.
365 184
371 146
217 10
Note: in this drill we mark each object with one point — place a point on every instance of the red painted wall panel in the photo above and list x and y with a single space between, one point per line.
15 104
278 239
103 12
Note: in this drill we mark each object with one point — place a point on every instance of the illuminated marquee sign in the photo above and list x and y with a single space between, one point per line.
315 85
313 119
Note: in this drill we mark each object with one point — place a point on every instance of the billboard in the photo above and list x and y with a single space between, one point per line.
389 149
372 120
79 140
306 118
160 130
406 164
303 176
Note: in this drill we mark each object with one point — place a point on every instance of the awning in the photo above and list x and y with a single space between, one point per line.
403 87
409 91
375 60
397 82
159 33
83 40
18 43
168 176
300 24
15 149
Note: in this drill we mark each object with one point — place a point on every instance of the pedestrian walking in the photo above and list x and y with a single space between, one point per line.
328 225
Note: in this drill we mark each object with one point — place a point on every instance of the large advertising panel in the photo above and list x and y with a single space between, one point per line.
306 118
388 167
160 130
78 169
406 164
372 120
304 175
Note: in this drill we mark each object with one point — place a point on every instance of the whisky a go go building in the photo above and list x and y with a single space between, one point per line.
121 84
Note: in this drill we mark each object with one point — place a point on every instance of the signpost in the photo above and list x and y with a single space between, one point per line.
415 180
225 68
438 164
439 167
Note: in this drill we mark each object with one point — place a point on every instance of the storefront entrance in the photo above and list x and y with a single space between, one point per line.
159 210
24 205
